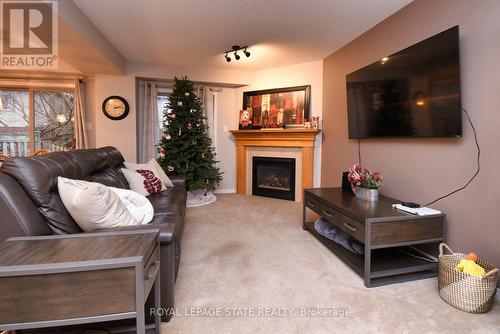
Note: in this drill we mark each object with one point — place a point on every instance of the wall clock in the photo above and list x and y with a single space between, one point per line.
115 107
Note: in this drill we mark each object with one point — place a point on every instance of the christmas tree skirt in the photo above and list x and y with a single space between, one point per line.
198 198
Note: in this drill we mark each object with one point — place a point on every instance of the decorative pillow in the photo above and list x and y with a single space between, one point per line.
138 205
152 165
95 206
143 181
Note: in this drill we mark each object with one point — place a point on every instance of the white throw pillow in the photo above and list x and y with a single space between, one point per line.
137 204
154 166
95 206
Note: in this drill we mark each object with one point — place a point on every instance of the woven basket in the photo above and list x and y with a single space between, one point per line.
465 292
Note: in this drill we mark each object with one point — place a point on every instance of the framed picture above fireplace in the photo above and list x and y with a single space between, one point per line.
275 108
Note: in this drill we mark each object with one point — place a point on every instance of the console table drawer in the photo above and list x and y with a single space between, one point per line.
312 204
352 227
349 226
392 232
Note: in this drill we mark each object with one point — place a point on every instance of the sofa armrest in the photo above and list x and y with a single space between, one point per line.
178 181
167 231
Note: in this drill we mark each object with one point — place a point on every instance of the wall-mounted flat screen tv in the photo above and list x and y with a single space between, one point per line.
412 93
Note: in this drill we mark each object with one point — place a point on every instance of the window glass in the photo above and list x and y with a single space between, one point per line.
53 120
162 101
14 122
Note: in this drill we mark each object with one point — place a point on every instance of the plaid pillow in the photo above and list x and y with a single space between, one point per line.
152 184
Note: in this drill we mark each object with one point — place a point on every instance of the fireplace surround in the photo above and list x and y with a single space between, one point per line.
297 143
273 177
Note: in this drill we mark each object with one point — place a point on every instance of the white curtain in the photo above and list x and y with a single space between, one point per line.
201 92
79 112
148 123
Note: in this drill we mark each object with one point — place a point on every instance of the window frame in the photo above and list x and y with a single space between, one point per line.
31 104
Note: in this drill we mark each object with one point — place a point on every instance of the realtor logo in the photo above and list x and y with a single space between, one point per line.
29 37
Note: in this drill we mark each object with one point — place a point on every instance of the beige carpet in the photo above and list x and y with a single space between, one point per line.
250 254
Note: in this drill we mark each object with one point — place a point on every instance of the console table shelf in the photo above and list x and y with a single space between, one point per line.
386 233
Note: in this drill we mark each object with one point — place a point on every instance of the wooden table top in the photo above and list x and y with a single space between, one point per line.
76 247
360 209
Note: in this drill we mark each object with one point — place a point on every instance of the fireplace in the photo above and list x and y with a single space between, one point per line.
273 177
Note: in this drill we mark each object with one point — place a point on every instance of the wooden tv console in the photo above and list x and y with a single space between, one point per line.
389 235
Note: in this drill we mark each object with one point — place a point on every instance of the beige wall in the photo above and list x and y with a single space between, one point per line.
122 134
422 169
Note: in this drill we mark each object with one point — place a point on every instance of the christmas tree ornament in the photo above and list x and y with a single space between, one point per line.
186 93
203 155
170 168
172 115
167 136
189 126
180 131
192 111
179 103
193 142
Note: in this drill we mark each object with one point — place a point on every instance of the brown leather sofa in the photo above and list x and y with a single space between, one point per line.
30 204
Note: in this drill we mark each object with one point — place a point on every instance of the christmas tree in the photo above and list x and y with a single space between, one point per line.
185 148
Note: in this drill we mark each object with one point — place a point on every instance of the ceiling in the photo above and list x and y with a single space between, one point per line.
197 32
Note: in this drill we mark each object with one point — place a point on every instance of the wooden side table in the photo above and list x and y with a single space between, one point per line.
82 278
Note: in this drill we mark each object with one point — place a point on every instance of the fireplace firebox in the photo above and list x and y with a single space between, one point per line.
273 177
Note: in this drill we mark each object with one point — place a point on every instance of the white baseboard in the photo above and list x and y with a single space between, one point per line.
225 191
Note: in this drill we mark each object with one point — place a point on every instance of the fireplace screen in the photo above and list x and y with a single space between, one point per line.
274 177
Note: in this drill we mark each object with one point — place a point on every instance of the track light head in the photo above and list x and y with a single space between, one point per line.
246 53
228 59
236 55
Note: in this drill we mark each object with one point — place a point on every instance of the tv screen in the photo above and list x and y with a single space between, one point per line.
412 93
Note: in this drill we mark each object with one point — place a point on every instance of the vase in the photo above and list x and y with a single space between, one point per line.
367 194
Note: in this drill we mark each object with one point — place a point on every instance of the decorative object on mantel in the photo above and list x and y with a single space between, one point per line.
315 122
294 126
365 185
277 108
307 123
245 120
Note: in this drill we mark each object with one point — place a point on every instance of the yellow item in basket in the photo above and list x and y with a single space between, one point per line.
469 266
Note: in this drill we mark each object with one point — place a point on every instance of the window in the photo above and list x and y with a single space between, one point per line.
34 119
162 100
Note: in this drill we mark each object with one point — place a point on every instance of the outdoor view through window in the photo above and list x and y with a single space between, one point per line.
47 125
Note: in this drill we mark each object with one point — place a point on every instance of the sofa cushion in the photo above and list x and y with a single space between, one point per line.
19 216
38 177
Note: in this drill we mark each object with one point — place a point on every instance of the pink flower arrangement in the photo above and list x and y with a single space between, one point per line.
361 177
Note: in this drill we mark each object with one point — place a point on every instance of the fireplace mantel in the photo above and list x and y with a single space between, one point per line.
296 138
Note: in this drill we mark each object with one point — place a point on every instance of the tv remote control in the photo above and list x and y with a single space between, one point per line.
410 204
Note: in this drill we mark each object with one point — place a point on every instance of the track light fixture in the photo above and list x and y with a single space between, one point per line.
235 50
